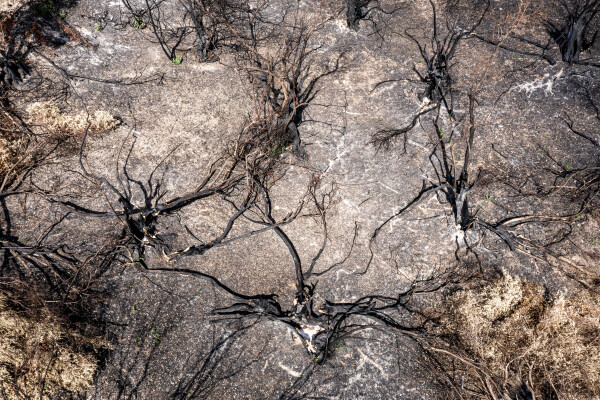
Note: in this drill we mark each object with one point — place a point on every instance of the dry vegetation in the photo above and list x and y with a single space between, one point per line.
43 353
42 356
57 122
11 146
499 338
516 335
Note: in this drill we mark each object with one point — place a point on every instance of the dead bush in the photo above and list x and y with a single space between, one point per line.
524 341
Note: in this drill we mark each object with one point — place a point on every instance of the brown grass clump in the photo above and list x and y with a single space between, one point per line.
10 150
518 338
58 122
41 357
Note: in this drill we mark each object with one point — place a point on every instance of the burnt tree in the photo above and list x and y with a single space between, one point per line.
367 10
180 25
282 78
436 77
576 35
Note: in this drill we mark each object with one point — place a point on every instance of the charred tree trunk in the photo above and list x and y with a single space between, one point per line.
572 37
355 12
203 26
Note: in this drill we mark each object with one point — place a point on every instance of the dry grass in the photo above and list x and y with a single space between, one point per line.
514 333
10 150
42 357
57 122
14 152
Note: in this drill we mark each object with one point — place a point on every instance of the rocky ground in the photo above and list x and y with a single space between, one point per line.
182 117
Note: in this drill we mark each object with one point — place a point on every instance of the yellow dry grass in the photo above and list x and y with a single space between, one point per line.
38 356
52 118
515 332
